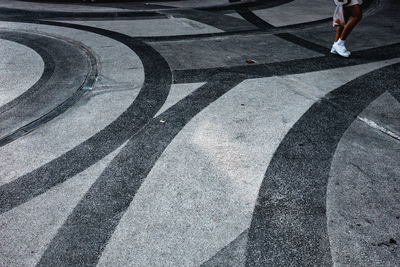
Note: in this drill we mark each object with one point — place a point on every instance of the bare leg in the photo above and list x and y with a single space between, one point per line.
340 28
355 14
339 31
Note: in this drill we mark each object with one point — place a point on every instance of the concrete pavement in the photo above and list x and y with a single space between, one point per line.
198 133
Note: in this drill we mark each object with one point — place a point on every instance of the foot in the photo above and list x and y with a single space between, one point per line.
333 51
341 50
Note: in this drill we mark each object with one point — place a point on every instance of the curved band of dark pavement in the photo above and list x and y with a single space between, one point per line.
289 221
55 91
253 18
151 97
302 42
47 70
98 213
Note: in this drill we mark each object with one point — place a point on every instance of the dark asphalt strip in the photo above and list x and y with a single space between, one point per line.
51 96
149 100
252 18
289 221
248 15
292 66
84 235
304 43
47 70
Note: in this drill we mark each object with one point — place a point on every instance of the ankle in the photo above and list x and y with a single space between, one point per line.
340 42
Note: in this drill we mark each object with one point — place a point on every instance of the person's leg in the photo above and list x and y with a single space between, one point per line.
339 31
355 14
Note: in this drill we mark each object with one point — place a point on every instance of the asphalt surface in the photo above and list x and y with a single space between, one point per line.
198 133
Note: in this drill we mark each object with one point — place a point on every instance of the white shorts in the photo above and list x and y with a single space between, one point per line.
354 2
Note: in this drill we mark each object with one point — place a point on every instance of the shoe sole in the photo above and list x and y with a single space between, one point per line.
333 51
343 55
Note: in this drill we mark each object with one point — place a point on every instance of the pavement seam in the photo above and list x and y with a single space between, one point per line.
378 127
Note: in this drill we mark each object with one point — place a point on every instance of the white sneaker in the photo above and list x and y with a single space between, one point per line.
333 50
341 50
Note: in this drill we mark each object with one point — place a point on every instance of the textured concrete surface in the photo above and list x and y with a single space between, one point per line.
117 86
363 195
227 51
157 27
21 68
283 15
198 133
31 226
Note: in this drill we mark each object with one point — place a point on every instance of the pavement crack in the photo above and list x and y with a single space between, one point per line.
360 169
378 127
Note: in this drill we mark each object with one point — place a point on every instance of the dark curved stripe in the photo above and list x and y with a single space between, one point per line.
293 66
28 97
302 42
47 71
289 221
248 15
70 60
149 100
97 215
